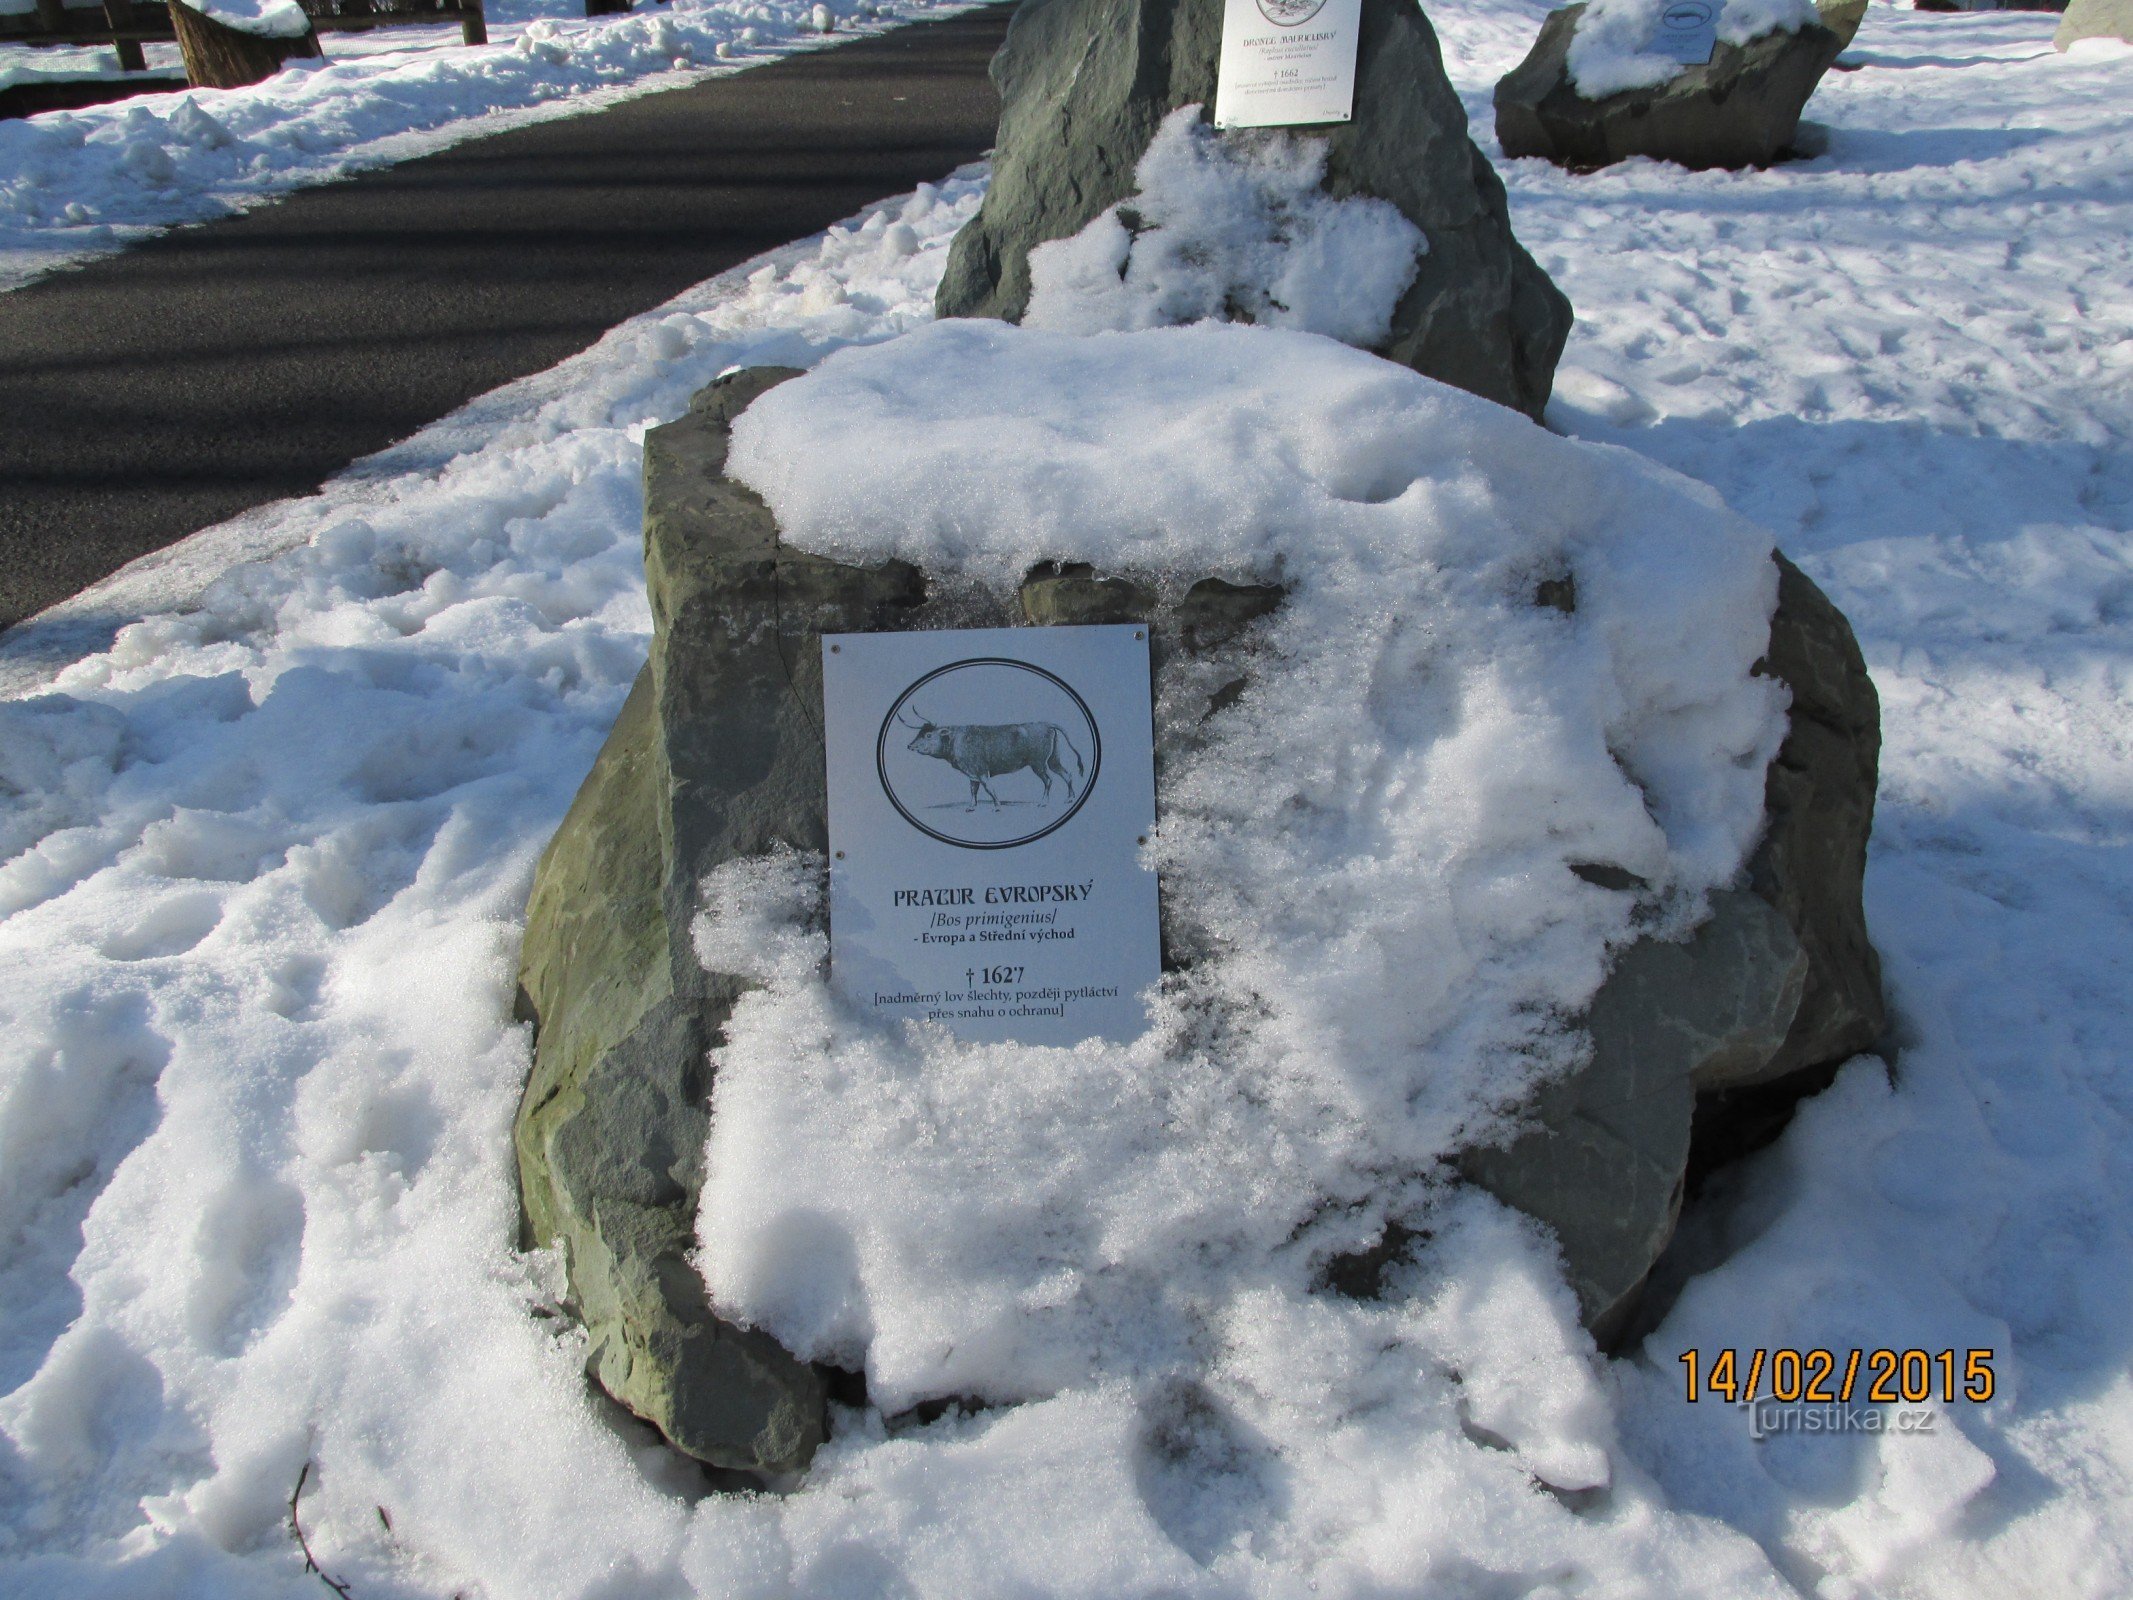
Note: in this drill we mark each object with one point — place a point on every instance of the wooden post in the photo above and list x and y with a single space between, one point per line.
221 57
475 29
119 14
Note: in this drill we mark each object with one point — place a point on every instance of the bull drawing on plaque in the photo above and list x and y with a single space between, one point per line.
1290 13
982 752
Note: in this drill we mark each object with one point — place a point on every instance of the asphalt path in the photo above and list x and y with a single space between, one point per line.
162 390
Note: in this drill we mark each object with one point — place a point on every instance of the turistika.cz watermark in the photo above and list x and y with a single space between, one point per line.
1770 1419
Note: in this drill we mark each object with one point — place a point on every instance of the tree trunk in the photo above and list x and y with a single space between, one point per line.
220 57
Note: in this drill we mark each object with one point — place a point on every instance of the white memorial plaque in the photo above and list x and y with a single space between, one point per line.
1687 32
1286 62
989 793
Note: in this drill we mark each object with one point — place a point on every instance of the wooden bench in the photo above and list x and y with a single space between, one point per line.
128 24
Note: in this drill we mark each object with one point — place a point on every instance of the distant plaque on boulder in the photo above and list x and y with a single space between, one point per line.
1736 105
1287 62
990 790
1687 32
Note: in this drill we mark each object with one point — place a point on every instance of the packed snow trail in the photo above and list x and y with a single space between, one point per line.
265 859
220 367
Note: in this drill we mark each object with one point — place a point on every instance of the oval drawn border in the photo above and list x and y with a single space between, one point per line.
1088 787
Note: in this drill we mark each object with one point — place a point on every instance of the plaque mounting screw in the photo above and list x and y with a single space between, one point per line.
840 853
836 649
1137 633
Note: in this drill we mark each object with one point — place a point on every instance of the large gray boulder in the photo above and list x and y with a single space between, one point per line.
1739 110
1700 1048
711 758
2095 19
1085 83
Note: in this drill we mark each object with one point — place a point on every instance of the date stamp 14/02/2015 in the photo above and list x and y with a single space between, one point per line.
1829 1377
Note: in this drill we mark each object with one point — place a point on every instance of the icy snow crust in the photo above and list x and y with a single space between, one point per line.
1368 858
1608 54
266 853
1234 226
78 183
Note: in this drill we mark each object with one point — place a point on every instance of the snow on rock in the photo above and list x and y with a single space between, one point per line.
1236 227
78 183
271 19
1371 853
1608 52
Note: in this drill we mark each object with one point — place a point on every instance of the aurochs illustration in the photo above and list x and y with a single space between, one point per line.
984 751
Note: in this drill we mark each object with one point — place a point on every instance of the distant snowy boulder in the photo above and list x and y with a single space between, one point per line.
1390 231
1600 84
1513 810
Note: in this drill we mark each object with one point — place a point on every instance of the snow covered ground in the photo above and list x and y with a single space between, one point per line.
261 862
73 184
